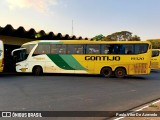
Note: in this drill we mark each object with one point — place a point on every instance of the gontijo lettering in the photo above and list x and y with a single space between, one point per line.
102 58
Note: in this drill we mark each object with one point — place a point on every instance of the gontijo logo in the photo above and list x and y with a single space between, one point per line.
102 58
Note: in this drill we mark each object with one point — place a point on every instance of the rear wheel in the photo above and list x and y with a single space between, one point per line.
106 72
37 70
120 72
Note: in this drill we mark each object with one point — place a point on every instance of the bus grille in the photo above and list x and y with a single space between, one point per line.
154 65
140 68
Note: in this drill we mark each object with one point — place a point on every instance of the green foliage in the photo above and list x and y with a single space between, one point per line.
122 36
135 38
98 37
118 36
155 43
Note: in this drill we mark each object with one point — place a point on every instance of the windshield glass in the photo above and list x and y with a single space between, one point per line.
155 53
28 47
22 54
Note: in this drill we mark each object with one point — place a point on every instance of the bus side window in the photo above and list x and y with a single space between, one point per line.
105 49
111 50
74 49
141 48
93 49
79 49
129 49
61 49
42 49
119 49
116 51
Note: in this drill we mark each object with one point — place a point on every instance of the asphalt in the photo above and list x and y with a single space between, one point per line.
63 92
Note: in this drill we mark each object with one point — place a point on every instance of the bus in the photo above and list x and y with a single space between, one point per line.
155 60
119 58
1 56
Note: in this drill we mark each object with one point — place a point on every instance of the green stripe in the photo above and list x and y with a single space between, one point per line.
71 61
59 62
67 62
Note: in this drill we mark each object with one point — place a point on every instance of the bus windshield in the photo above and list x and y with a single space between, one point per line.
28 48
22 53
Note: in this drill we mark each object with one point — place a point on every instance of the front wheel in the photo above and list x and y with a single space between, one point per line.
37 70
106 72
120 72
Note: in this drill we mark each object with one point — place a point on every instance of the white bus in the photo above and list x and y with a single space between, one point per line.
1 56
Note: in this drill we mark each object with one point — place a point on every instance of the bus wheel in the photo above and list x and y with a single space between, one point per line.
120 72
37 70
106 72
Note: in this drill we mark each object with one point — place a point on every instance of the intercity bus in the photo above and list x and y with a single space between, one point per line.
119 58
1 56
155 60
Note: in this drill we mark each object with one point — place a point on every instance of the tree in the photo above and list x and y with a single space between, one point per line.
135 38
155 43
98 37
122 36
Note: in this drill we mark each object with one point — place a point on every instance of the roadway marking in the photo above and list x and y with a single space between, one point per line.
140 109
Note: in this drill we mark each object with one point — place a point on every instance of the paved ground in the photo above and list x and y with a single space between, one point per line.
152 110
57 92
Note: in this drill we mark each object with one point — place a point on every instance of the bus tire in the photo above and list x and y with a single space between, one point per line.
120 72
106 72
37 70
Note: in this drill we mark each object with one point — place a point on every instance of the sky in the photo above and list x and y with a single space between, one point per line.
89 17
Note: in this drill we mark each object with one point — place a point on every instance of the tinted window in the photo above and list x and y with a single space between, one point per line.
124 48
42 49
93 49
58 49
28 48
113 49
129 49
74 49
155 53
119 49
141 48
105 49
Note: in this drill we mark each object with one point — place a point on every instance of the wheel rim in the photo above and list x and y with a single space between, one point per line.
120 73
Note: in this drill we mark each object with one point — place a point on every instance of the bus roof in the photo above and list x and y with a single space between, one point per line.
84 42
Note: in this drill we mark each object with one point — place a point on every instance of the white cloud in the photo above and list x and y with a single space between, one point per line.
39 5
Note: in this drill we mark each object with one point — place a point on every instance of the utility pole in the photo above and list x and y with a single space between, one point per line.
72 27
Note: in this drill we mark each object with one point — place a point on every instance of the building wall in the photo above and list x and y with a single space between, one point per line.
14 40
11 43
